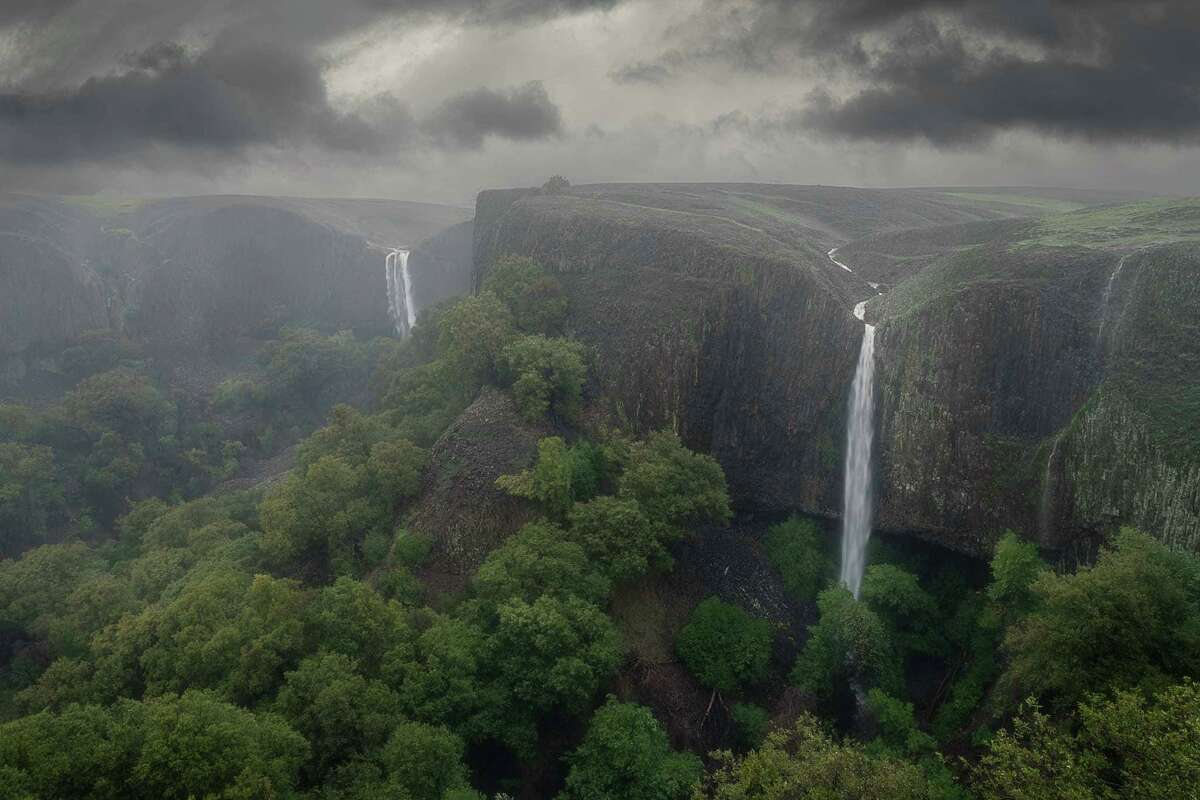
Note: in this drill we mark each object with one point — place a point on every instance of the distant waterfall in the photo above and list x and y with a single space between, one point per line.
1107 298
401 308
860 436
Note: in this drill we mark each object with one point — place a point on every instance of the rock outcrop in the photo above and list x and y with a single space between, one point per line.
461 509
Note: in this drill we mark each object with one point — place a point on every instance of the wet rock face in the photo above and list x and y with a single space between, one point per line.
46 296
460 508
234 271
744 345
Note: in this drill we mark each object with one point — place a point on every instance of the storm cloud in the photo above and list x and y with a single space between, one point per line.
958 72
389 96
525 113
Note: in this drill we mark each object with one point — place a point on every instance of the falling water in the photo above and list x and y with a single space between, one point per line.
399 291
410 310
860 434
1046 509
1108 290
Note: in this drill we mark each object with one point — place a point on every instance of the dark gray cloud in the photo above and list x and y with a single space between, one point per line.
258 81
227 98
957 72
523 113
642 72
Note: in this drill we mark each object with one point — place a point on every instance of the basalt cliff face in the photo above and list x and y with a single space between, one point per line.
1020 384
188 275
742 343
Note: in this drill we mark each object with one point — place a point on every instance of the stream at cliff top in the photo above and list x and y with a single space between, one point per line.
860 436
401 307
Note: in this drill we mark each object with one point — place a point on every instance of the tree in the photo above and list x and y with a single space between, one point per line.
1131 620
724 647
474 331
674 486
1015 567
618 537
29 495
546 375
909 612
557 184
549 482
340 712
795 549
549 655
173 747
849 643
536 299
351 618
538 560
424 760
626 754
804 763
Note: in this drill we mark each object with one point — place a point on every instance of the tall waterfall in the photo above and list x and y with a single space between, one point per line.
1108 290
860 435
401 307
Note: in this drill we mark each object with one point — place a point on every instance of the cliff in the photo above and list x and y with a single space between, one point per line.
190 275
1024 380
705 323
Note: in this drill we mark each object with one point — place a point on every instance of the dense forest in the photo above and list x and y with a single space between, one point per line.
172 628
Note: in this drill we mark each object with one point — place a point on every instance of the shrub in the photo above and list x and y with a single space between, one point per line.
796 550
724 647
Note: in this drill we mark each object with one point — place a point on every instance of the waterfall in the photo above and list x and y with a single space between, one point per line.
860 435
1046 511
410 308
1108 290
399 291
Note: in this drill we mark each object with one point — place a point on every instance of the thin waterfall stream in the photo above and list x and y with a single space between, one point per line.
860 438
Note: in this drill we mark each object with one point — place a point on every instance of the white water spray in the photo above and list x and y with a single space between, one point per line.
401 307
860 436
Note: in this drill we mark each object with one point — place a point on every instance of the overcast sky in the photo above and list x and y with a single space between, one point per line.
436 99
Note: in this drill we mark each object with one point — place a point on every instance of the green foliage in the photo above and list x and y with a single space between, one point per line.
549 482
1015 567
302 362
804 763
352 619
29 495
539 560
550 655
724 647
474 331
796 550
121 401
907 610
849 642
547 375
173 747
618 537
424 761
350 479
899 735
749 725
337 710
1133 619
626 754
673 485
1123 746
536 300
